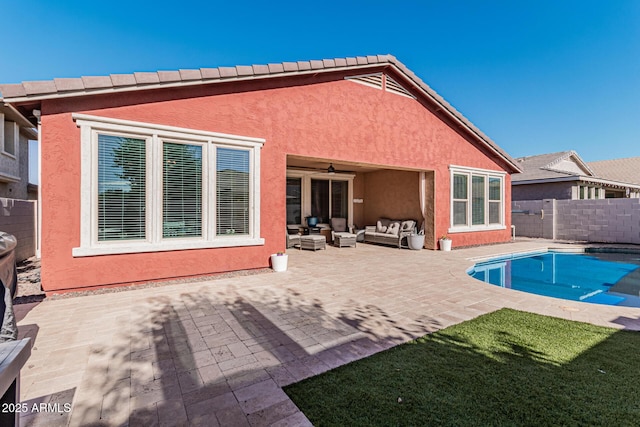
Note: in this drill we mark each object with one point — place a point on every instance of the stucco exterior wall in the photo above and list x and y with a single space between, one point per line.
395 194
392 194
337 120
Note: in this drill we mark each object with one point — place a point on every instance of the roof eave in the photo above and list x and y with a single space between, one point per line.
373 62
13 114
179 84
455 114
577 178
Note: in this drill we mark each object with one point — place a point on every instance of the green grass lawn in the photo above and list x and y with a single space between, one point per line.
503 368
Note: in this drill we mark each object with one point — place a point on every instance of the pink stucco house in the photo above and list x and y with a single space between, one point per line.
183 173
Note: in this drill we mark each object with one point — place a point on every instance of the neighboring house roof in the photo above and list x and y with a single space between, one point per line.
27 92
551 166
626 170
569 166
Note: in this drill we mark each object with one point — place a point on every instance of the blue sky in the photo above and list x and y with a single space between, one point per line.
537 77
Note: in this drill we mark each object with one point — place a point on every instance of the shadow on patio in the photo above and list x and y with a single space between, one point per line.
202 356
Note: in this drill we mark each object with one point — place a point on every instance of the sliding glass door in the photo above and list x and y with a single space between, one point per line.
339 199
294 200
329 199
324 196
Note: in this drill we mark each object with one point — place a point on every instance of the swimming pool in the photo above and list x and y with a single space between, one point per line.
610 278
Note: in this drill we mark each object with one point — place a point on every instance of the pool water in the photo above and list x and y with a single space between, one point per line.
601 278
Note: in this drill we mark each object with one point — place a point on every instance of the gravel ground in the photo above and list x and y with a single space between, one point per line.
29 289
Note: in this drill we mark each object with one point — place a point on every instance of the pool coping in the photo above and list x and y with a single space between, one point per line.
577 249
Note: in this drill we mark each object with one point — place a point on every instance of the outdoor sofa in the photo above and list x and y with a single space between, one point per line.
390 231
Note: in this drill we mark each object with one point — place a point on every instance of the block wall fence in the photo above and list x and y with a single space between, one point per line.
602 221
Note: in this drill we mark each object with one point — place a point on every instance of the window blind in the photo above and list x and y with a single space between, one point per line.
477 200
121 188
181 190
460 199
232 191
494 200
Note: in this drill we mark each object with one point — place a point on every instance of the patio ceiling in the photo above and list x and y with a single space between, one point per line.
319 164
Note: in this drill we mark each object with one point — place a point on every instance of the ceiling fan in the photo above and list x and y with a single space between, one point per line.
331 170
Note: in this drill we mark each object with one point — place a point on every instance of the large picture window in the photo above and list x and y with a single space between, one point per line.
460 199
148 188
232 191
181 190
122 181
476 200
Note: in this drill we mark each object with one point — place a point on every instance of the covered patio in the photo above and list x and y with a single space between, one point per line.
220 350
361 193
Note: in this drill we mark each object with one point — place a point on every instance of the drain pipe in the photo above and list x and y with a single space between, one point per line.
37 114
513 232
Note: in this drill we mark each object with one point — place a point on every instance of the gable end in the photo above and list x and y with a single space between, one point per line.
381 81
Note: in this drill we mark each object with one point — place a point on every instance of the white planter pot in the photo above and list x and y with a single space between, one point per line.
279 262
445 244
415 241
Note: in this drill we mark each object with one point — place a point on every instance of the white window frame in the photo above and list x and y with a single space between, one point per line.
155 135
486 174
4 137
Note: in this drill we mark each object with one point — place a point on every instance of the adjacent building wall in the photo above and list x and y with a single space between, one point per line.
17 166
17 217
549 190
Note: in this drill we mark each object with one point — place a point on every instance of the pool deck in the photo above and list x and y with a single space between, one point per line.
218 352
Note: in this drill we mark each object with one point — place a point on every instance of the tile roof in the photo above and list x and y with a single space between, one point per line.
39 90
536 167
90 84
552 165
623 170
549 167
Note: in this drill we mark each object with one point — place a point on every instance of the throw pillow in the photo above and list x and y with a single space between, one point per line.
407 225
382 225
394 228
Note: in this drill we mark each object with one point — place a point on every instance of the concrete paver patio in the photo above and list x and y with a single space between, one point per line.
218 352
